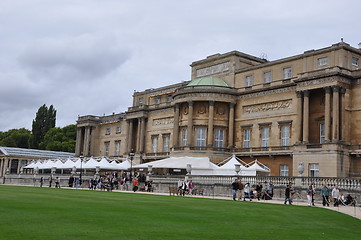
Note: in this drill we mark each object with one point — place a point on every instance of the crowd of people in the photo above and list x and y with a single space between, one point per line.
265 191
259 192
185 187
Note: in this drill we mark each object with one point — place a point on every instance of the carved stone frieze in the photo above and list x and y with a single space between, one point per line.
163 121
267 107
205 95
269 92
320 81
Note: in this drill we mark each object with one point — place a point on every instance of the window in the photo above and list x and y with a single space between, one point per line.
283 170
265 137
117 148
354 61
118 130
285 135
267 77
201 137
247 138
322 61
249 81
166 143
219 138
313 170
154 144
140 101
169 97
107 131
107 149
184 137
287 73
322 133
157 99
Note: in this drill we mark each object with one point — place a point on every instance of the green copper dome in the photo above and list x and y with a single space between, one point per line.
208 81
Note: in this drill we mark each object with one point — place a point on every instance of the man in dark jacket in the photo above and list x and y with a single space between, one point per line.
235 187
288 195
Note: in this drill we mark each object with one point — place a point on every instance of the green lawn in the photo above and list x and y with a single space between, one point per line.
43 213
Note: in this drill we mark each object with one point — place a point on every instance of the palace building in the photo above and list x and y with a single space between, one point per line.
300 115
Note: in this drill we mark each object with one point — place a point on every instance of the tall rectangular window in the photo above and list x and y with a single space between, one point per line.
322 61
267 77
313 169
140 100
283 170
249 81
247 138
117 148
118 130
265 137
166 143
157 99
107 149
201 137
169 97
184 137
322 133
285 135
287 73
107 131
219 138
354 61
154 144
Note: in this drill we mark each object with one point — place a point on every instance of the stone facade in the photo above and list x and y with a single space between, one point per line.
302 110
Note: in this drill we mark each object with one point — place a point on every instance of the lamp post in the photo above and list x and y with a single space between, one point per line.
237 168
150 168
131 155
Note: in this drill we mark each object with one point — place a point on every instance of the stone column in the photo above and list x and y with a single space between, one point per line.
130 136
231 125
176 125
2 167
210 124
142 135
343 123
306 115
327 113
79 139
138 136
299 117
190 123
86 141
335 114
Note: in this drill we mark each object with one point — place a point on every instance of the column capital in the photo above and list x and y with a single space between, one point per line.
190 103
211 102
342 90
306 93
336 88
231 104
327 89
299 94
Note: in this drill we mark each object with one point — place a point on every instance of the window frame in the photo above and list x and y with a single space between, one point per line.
219 138
287 72
249 80
285 139
107 146
267 77
313 169
355 61
154 144
322 128
117 147
265 138
247 141
284 170
201 137
184 137
166 139
322 61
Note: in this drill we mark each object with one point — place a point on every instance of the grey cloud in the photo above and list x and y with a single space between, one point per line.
79 58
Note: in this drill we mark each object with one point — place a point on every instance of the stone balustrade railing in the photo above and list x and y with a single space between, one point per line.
353 184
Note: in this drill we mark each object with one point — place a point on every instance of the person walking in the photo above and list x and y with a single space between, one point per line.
50 180
247 192
309 196
235 187
259 190
57 182
41 181
240 189
288 195
325 192
335 195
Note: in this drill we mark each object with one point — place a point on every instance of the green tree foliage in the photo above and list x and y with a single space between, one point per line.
44 120
60 139
15 138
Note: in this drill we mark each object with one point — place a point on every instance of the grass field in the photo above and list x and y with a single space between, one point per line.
43 213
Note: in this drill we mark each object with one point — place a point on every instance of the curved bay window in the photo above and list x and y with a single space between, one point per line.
201 137
219 138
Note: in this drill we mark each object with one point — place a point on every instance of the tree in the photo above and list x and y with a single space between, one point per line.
60 139
15 138
44 120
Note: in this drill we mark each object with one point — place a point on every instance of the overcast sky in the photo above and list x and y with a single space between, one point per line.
87 57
